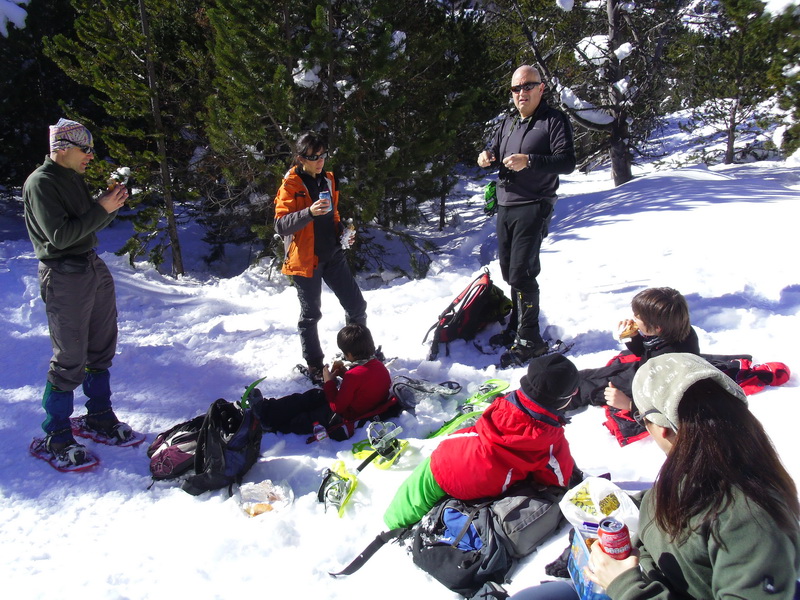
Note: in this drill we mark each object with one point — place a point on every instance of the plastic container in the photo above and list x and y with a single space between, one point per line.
320 432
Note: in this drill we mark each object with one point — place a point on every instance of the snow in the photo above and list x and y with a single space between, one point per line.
11 11
724 236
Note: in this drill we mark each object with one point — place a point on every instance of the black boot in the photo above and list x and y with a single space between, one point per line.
522 352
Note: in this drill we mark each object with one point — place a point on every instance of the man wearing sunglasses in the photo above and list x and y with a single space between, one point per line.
531 148
62 219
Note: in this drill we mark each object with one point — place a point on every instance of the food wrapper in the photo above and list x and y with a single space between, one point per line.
626 332
121 175
264 497
594 499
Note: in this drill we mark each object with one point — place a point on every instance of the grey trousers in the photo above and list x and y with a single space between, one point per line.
80 302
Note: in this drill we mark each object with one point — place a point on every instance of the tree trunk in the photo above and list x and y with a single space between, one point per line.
731 132
166 178
619 151
443 204
620 154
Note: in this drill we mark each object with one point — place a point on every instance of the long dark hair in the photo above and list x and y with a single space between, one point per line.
720 446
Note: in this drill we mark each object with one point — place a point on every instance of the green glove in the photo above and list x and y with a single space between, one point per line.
490 198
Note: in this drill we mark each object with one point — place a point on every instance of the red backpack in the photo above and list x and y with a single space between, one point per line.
479 304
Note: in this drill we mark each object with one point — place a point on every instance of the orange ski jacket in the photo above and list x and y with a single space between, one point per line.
294 221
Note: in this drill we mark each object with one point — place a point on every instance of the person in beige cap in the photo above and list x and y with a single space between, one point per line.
62 219
721 520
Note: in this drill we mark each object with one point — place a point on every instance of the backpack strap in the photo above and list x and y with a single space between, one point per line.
514 399
380 540
473 512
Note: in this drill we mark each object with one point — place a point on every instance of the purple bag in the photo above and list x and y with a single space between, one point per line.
173 452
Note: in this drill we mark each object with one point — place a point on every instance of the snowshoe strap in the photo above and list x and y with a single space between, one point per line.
369 459
380 540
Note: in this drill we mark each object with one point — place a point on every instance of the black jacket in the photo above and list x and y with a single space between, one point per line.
546 137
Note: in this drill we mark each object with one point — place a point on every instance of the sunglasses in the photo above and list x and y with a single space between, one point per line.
641 419
84 149
313 157
527 86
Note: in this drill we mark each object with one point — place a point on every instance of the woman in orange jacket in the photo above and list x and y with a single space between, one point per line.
307 216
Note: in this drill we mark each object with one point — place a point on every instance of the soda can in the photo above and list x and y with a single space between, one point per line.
614 538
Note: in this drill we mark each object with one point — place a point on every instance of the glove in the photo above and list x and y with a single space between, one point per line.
490 199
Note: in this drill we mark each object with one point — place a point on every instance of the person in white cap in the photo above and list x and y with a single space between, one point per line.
721 520
62 219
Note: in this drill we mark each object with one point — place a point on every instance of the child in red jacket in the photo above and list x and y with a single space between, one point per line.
520 435
364 387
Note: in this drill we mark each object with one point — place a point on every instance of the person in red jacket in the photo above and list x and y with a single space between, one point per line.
338 406
520 435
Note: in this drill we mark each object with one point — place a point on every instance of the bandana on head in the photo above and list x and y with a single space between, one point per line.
66 131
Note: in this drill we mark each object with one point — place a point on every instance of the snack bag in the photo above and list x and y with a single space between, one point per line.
594 499
259 498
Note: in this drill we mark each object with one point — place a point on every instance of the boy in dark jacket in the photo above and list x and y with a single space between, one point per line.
364 388
520 435
660 325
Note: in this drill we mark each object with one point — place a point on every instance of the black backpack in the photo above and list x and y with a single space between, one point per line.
465 544
479 304
457 543
228 444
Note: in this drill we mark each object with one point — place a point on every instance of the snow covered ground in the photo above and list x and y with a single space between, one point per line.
726 237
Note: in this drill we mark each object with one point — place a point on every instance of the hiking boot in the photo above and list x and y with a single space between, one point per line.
315 374
379 354
107 424
521 353
503 339
68 452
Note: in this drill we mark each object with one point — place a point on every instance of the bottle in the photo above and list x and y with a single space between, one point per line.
319 431
348 235
326 195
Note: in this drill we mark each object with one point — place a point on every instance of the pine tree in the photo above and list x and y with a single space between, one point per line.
31 86
730 49
140 60
391 83
605 63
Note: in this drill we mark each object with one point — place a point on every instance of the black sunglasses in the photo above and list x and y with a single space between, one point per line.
527 86
84 149
641 420
313 157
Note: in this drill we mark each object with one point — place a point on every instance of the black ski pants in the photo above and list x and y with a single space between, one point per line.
520 231
335 272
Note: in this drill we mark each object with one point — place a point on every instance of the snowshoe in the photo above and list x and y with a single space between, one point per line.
337 487
473 407
313 374
116 434
382 446
70 458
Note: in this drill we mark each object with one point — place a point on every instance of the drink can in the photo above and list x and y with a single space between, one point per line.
326 195
614 538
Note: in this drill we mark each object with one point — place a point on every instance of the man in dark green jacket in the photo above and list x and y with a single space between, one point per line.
77 288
